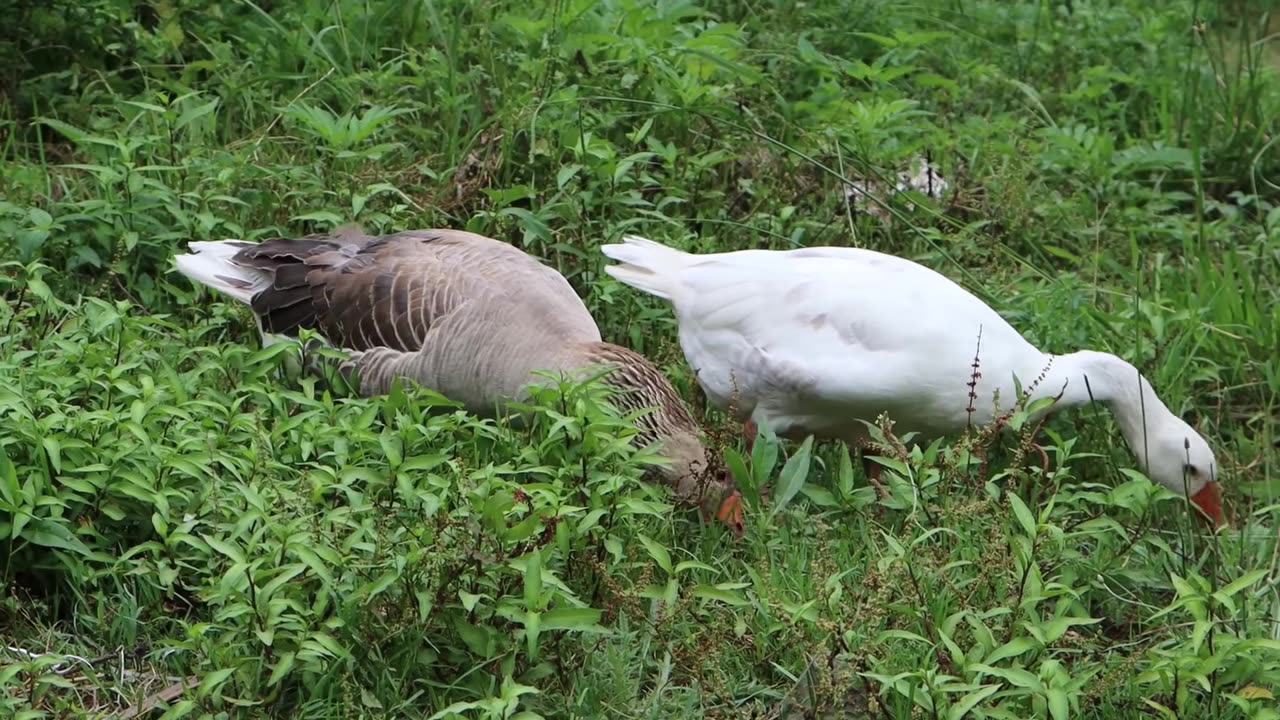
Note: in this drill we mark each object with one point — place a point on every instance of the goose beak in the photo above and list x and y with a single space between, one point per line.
1209 500
730 512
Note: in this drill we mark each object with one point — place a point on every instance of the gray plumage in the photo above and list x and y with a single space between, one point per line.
468 316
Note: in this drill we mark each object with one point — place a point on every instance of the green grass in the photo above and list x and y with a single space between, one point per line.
178 505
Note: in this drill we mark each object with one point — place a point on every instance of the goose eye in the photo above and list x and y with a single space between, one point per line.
1191 470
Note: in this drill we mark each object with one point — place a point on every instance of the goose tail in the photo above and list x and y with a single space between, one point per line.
646 265
211 263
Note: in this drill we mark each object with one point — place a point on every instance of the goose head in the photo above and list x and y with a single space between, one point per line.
1166 447
697 479
690 469
1179 458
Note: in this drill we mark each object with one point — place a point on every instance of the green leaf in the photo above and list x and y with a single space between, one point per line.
49 533
1055 628
1016 676
565 174
469 600
225 548
423 463
195 113
971 701
711 592
54 451
692 565
844 474
532 625
313 561
480 639
1013 648
71 132
820 496
737 466
282 667
270 353
210 681
391 447
40 218
1025 518
572 619
10 490
533 582
793 475
180 709
1240 583
657 552
1059 707
368 700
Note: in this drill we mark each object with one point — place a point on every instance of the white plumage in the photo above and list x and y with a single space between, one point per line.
812 341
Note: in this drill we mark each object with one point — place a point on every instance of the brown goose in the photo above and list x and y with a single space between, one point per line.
463 314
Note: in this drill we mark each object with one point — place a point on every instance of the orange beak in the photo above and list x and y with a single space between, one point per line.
1209 500
730 512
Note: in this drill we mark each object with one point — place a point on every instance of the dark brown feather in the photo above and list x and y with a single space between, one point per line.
360 292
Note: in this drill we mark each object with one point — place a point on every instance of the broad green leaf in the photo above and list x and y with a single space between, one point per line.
1013 648
1059 707
532 625
794 473
657 552
1240 583
210 681
391 447
970 701
533 581
1055 628
469 600
711 592
737 467
380 584
844 474
313 561
283 665
572 619
195 113
692 564
567 173
1016 676
54 451
368 700
50 533
479 639
72 133
1025 518
10 490
423 463
820 496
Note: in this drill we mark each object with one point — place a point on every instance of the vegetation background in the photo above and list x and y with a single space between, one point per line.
191 529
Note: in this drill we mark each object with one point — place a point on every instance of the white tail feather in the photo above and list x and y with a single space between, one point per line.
646 265
209 264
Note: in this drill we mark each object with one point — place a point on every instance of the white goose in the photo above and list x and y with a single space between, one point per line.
811 341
